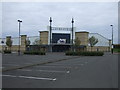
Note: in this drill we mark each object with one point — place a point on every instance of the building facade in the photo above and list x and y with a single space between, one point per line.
60 39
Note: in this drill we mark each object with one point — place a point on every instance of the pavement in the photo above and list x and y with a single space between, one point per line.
56 70
14 61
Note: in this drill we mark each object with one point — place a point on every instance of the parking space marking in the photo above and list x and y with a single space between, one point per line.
86 62
10 65
45 71
28 63
24 70
54 66
30 77
53 71
81 64
59 65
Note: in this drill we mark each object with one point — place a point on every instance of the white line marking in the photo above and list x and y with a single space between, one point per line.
78 64
28 63
45 71
11 65
60 65
86 62
28 77
57 64
54 66
68 71
54 71
81 64
24 70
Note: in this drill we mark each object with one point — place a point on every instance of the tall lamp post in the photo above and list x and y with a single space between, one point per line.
2 45
50 34
72 32
112 39
19 21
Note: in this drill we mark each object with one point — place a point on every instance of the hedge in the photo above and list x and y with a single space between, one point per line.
7 51
85 53
34 52
116 50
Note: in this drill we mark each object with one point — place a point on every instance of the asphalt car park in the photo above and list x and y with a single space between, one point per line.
71 72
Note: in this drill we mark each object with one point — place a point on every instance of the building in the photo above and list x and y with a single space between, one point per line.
59 39
62 40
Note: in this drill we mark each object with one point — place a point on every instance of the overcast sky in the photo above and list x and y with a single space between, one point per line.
94 17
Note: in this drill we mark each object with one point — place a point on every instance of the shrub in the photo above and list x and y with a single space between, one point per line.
7 51
34 52
116 50
86 53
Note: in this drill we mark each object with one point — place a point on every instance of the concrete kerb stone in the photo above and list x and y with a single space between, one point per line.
31 65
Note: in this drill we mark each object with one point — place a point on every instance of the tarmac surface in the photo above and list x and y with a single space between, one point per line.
55 70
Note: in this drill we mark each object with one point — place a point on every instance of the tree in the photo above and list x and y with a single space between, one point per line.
27 42
77 43
93 41
37 42
9 43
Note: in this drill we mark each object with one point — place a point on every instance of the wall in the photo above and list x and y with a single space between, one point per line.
83 37
15 47
44 37
99 48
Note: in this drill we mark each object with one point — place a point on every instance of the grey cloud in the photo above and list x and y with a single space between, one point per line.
93 17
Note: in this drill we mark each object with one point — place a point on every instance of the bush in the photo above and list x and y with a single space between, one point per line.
7 51
34 52
86 53
116 50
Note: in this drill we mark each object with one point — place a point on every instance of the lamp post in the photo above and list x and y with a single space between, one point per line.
72 32
2 45
112 39
50 33
19 21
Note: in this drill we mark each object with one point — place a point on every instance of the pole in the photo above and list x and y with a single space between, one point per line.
19 40
50 34
112 39
2 46
19 21
72 32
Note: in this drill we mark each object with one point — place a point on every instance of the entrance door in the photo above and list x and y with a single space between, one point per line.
60 48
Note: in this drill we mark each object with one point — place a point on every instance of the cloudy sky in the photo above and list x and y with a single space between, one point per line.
94 17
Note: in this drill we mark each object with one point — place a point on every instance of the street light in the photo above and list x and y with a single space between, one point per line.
72 32
50 34
112 39
72 29
2 45
19 21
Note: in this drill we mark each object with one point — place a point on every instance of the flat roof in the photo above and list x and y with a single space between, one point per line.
43 31
82 31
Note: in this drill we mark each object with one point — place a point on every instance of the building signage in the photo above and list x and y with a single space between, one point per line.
61 41
60 28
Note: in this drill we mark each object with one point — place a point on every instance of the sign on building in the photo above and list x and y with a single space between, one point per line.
61 41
